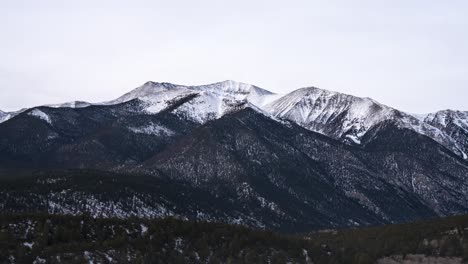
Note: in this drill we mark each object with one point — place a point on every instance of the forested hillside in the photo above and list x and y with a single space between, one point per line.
83 239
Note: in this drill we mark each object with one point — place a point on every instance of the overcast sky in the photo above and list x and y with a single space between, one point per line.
409 54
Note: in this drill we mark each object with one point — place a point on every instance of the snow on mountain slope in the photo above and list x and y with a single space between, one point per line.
330 113
348 117
209 101
215 100
41 115
239 92
157 96
452 123
153 129
442 135
446 117
4 116
74 104
340 116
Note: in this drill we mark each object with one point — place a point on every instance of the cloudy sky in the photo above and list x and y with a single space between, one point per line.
410 54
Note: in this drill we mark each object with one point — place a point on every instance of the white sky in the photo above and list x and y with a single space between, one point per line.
410 54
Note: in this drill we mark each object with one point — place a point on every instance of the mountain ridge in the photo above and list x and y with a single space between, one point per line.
338 115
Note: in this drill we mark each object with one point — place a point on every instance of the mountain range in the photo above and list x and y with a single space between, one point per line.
236 153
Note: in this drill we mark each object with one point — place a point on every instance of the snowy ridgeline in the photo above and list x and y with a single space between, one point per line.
334 114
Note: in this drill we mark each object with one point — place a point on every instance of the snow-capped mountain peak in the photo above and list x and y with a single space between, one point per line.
349 118
150 90
207 101
215 100
331 113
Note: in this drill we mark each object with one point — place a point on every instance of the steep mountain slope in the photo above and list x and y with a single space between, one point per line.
290 167
454 124
251 157
419 165
337 115
101 137
247 168
118 133
212 101
4 116
349 118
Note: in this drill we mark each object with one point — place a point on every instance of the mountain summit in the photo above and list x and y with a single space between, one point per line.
206 102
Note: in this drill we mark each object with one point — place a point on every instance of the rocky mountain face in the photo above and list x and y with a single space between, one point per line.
349 118
454 124
237 153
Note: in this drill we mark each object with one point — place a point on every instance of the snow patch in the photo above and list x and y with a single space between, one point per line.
152 129
39 260
354 139
89 256
464 155
144 229
41 115
28 244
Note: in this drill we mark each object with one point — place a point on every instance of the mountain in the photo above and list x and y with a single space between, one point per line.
337 115
341 116
349 118
209 101
236 153
288 165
